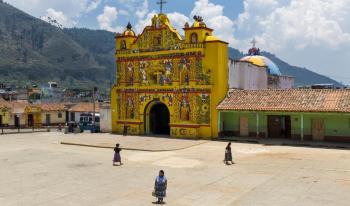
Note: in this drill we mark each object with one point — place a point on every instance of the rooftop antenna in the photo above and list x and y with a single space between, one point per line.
161 3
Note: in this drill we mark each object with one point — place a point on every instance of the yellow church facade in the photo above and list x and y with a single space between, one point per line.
169 84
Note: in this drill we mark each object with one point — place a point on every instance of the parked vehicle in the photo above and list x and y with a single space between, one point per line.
86 122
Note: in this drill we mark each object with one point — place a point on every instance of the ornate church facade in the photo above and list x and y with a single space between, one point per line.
169 84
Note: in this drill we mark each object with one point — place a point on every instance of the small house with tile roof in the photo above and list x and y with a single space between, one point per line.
5 112
53 114
301 114
82 108
24 114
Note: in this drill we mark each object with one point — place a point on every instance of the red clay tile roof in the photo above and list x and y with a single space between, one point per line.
19 107
4 104
293 100
53 107
84 107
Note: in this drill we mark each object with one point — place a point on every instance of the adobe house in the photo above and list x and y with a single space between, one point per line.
301 114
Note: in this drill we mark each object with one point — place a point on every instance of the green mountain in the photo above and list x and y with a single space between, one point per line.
34 51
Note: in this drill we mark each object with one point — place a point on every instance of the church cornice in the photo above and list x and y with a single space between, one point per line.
160 57
198 28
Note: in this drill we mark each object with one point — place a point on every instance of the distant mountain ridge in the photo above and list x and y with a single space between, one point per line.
32 50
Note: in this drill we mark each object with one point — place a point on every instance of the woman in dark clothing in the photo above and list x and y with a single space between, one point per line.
117 155
125 130
228 154
160 187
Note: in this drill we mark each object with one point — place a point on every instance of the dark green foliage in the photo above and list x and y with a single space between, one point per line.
32 50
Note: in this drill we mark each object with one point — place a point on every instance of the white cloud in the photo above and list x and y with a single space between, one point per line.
142 10
303 23
108 18
93 5
142 23
59 17
300 32
213 15
72 9
178 20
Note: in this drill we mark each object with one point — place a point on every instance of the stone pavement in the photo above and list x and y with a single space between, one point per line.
36 170
140 143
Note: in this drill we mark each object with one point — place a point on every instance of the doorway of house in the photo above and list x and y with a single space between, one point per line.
48 119
16 121
0 120
279 126
30 120
243 126
159 119
318 129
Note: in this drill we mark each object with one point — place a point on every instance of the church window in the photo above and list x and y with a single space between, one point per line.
194 38
123 45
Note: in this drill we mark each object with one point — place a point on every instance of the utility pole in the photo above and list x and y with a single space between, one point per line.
94 110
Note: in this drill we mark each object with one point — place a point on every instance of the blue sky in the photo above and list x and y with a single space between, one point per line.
309 33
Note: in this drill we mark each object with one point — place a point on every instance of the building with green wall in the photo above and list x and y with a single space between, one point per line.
300 114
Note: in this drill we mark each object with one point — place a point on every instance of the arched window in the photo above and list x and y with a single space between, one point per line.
123 45
194 38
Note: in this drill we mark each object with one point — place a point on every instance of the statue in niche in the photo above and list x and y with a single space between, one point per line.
143 72
130 108
184 110
130 74
184 71
161 79
157 41
168 71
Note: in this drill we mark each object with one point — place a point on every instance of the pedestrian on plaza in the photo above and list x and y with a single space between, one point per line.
125 130
228 154
160 187
117 158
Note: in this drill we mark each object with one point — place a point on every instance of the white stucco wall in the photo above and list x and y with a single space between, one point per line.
244 75
105 120
286 82
54 119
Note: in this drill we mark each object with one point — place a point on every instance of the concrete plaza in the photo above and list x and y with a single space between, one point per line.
37 170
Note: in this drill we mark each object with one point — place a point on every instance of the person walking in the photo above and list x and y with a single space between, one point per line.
117 158
160 187
125 130
228 154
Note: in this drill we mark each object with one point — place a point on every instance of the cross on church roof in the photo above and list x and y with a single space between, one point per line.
254 42
161 3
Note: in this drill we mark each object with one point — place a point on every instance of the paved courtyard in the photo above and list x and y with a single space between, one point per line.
37 170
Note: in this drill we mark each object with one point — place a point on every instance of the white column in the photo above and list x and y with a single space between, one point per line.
302 127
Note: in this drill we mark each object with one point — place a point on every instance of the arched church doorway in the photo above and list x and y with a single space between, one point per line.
159 119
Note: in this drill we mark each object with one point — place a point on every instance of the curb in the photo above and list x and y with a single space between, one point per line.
296 144
130 149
